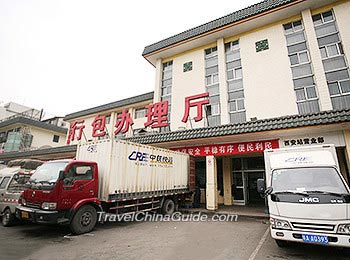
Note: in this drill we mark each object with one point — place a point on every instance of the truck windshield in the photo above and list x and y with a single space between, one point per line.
48 172
308 180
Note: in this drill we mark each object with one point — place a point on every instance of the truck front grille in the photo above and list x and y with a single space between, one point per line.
313 226
33 205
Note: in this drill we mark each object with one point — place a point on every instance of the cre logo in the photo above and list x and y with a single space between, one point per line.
309 200
138 156
92 149
299 159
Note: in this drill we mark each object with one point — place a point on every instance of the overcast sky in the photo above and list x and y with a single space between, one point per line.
66 56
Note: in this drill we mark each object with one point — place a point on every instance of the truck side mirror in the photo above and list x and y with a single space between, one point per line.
260 186
61 175
16 177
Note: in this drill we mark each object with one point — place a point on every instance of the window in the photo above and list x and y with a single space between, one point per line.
333 59
4 182
334 63
295 38
2 137
299 58
323 18
18 185
331 50
212 86
140 113
301 67
236 103
213 110
234 73
167 78
306 93
308 180
212 79
78 172
56 139
339 88
293 27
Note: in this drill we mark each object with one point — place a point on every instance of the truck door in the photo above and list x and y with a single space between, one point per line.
3 185
79 183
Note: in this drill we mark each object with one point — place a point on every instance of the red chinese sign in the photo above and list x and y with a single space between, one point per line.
199 104
98 126
157 115
76 126
227 149
123 123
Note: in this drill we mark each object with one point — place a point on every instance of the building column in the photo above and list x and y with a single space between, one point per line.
227 168
158 83
211 189
225 117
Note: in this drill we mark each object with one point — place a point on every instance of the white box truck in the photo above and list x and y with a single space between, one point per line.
307 196
107 176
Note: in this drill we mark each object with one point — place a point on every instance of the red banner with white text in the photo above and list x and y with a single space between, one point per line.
232 148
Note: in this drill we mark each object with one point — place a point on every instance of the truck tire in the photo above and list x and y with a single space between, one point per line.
84 220
281 243
168 207
7 218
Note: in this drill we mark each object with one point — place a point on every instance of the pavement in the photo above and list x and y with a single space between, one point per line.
250 211
244 239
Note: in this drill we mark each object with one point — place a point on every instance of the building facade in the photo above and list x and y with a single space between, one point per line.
14 109
275 74
20 133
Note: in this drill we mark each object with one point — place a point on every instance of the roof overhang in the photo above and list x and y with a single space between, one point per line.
62 152
326 121
223 28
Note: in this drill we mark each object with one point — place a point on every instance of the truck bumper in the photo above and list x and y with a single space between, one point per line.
40 216
296 236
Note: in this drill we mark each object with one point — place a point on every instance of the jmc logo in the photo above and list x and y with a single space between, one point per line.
309 200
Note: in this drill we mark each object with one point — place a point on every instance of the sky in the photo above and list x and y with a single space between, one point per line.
65 56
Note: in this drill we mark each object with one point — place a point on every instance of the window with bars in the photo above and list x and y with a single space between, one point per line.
212 86
301 66
333 59
236 102
167 79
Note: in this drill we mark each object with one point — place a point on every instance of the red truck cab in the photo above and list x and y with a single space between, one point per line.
62 192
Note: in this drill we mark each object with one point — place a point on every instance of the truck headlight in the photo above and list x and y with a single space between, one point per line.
49 205
344 229
279 224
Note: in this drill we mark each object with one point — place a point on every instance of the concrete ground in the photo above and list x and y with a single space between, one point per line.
250 210
247 238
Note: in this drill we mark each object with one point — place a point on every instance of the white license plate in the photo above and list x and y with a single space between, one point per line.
317 239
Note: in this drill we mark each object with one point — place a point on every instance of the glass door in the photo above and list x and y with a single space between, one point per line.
239 190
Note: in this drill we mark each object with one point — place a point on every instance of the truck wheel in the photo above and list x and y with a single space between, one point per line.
281 243
84 220
7 218
168 207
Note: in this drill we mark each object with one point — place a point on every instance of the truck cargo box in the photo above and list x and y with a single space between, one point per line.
131 170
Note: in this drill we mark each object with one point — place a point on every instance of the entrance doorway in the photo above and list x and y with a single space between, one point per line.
246 172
